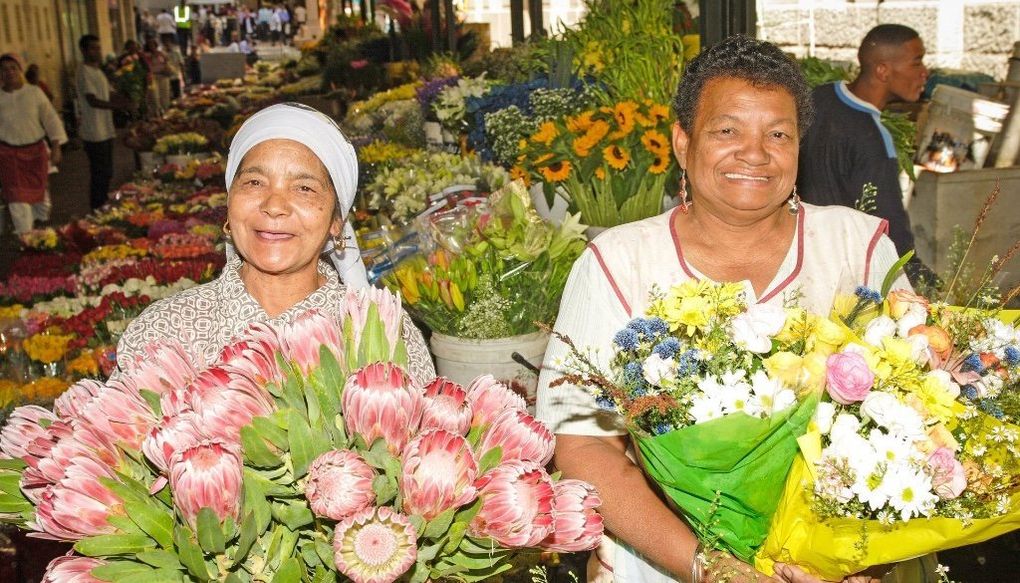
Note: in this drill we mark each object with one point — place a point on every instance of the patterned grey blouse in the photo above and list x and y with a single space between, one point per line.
206 318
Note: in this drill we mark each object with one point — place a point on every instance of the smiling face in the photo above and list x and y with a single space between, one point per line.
741 155
281 208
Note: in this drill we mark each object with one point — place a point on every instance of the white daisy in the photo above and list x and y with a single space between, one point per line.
909 491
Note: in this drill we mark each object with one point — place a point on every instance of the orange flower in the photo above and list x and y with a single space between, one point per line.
616 157
543 158
580 123
581 147
660 165
658 112
623 114
546 133
597 131
556 172
655 142
518 173
600 173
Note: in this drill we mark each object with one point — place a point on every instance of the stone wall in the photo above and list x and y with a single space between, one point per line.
982 40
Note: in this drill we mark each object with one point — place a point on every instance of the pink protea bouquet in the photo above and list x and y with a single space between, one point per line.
305 453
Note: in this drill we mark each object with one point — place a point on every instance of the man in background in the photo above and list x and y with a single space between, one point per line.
847 146
96 105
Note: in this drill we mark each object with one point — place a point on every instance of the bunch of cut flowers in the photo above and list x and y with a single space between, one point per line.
493 270
305 453
614 164
181 143
915 448
714 392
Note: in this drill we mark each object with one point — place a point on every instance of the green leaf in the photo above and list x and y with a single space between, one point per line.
127 489
271 432
155 523
466 515
325 552
490 459
190 554
293 514
323 575
113 544
210 534
12 464
160 559
14 506
438 526
152 398
894 271
156 576
255 501
374 345
333 380
256 451
289 572
428 552
457 531
10 482
417 522
419 573
117 570
233 578
249 532
123 524
303 448
385 489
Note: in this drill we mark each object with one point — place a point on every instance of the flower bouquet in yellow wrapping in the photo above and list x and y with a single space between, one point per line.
914 448
715 392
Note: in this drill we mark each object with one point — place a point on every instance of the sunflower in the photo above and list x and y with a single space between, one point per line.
518 173
597 131
581 146
660 165
655 142
616 156
580 123
543 158
522 145
658 112
556 172
600 173
546 133
623 114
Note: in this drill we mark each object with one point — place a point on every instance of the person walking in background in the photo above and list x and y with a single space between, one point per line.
847 146
194 65
182 20
246 24
175 66
166 28
300 17
96 105
32 77
159 87
27 121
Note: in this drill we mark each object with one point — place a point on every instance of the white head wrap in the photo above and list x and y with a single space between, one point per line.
294 121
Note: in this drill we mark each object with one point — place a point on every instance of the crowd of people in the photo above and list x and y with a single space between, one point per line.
224 25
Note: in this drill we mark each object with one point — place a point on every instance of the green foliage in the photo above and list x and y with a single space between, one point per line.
818 72
904 133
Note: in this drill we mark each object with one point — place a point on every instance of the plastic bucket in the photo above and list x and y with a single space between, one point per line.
463 359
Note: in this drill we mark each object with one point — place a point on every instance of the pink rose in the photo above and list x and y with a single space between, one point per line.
948 478
849 378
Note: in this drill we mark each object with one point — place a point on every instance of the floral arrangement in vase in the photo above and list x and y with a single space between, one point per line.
184 143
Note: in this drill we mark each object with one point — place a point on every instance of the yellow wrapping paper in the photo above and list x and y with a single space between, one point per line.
835 548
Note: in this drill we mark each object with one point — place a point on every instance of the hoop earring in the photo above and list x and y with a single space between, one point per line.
339 243
685 199
226 228
793 203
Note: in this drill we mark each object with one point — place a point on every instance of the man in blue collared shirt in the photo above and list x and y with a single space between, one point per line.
847 146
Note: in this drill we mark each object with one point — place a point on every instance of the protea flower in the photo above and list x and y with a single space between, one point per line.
376 545
379 401
54 453
121 414
356 305
74 400
517 503
339 484
255 354
225 401
576 524
71 569
521 436
79 504
438 472
489 397
446 407
303 338
173 434
163 366
23 426
206 475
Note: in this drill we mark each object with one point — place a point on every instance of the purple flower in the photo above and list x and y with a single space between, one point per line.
431 89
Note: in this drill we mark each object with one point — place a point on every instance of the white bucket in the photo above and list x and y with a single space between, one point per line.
179 160
146 161
557 213
463 359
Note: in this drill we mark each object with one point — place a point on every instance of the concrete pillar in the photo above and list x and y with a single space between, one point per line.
949 48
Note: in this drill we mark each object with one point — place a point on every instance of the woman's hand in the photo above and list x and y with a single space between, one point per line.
794 574
724 567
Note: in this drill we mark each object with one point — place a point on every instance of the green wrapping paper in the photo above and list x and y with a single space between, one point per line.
726 476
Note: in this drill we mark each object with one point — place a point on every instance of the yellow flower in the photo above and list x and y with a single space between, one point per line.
84 365
546 133
616 157
937 399
826 336
691 313
623 114
522 144
556 172
518 173
46 348
580 123
600 173
655 142
658 112
581 147
44 389
14 311
592 57
785 366
660 165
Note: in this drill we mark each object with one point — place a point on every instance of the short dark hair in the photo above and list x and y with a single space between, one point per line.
884 35
8 57
85 40
760 63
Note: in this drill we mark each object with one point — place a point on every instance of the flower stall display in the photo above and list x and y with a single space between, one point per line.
495 274
715 393
130 78
305 453
915 448
612 164
178 148
402 190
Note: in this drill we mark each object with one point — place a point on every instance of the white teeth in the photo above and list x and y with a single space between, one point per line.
745 177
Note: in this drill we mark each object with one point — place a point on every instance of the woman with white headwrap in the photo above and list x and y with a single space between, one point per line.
291 179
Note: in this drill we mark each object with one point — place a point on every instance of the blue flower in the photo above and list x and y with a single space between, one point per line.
991 407
661 428
656 326
640 391
606 403
633 373
667 349
626 339
637 325
970 391
867 294
1012 355
974 363
688 363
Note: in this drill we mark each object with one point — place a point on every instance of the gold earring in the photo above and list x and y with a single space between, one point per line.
226 228
793 203
685 200
339 243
